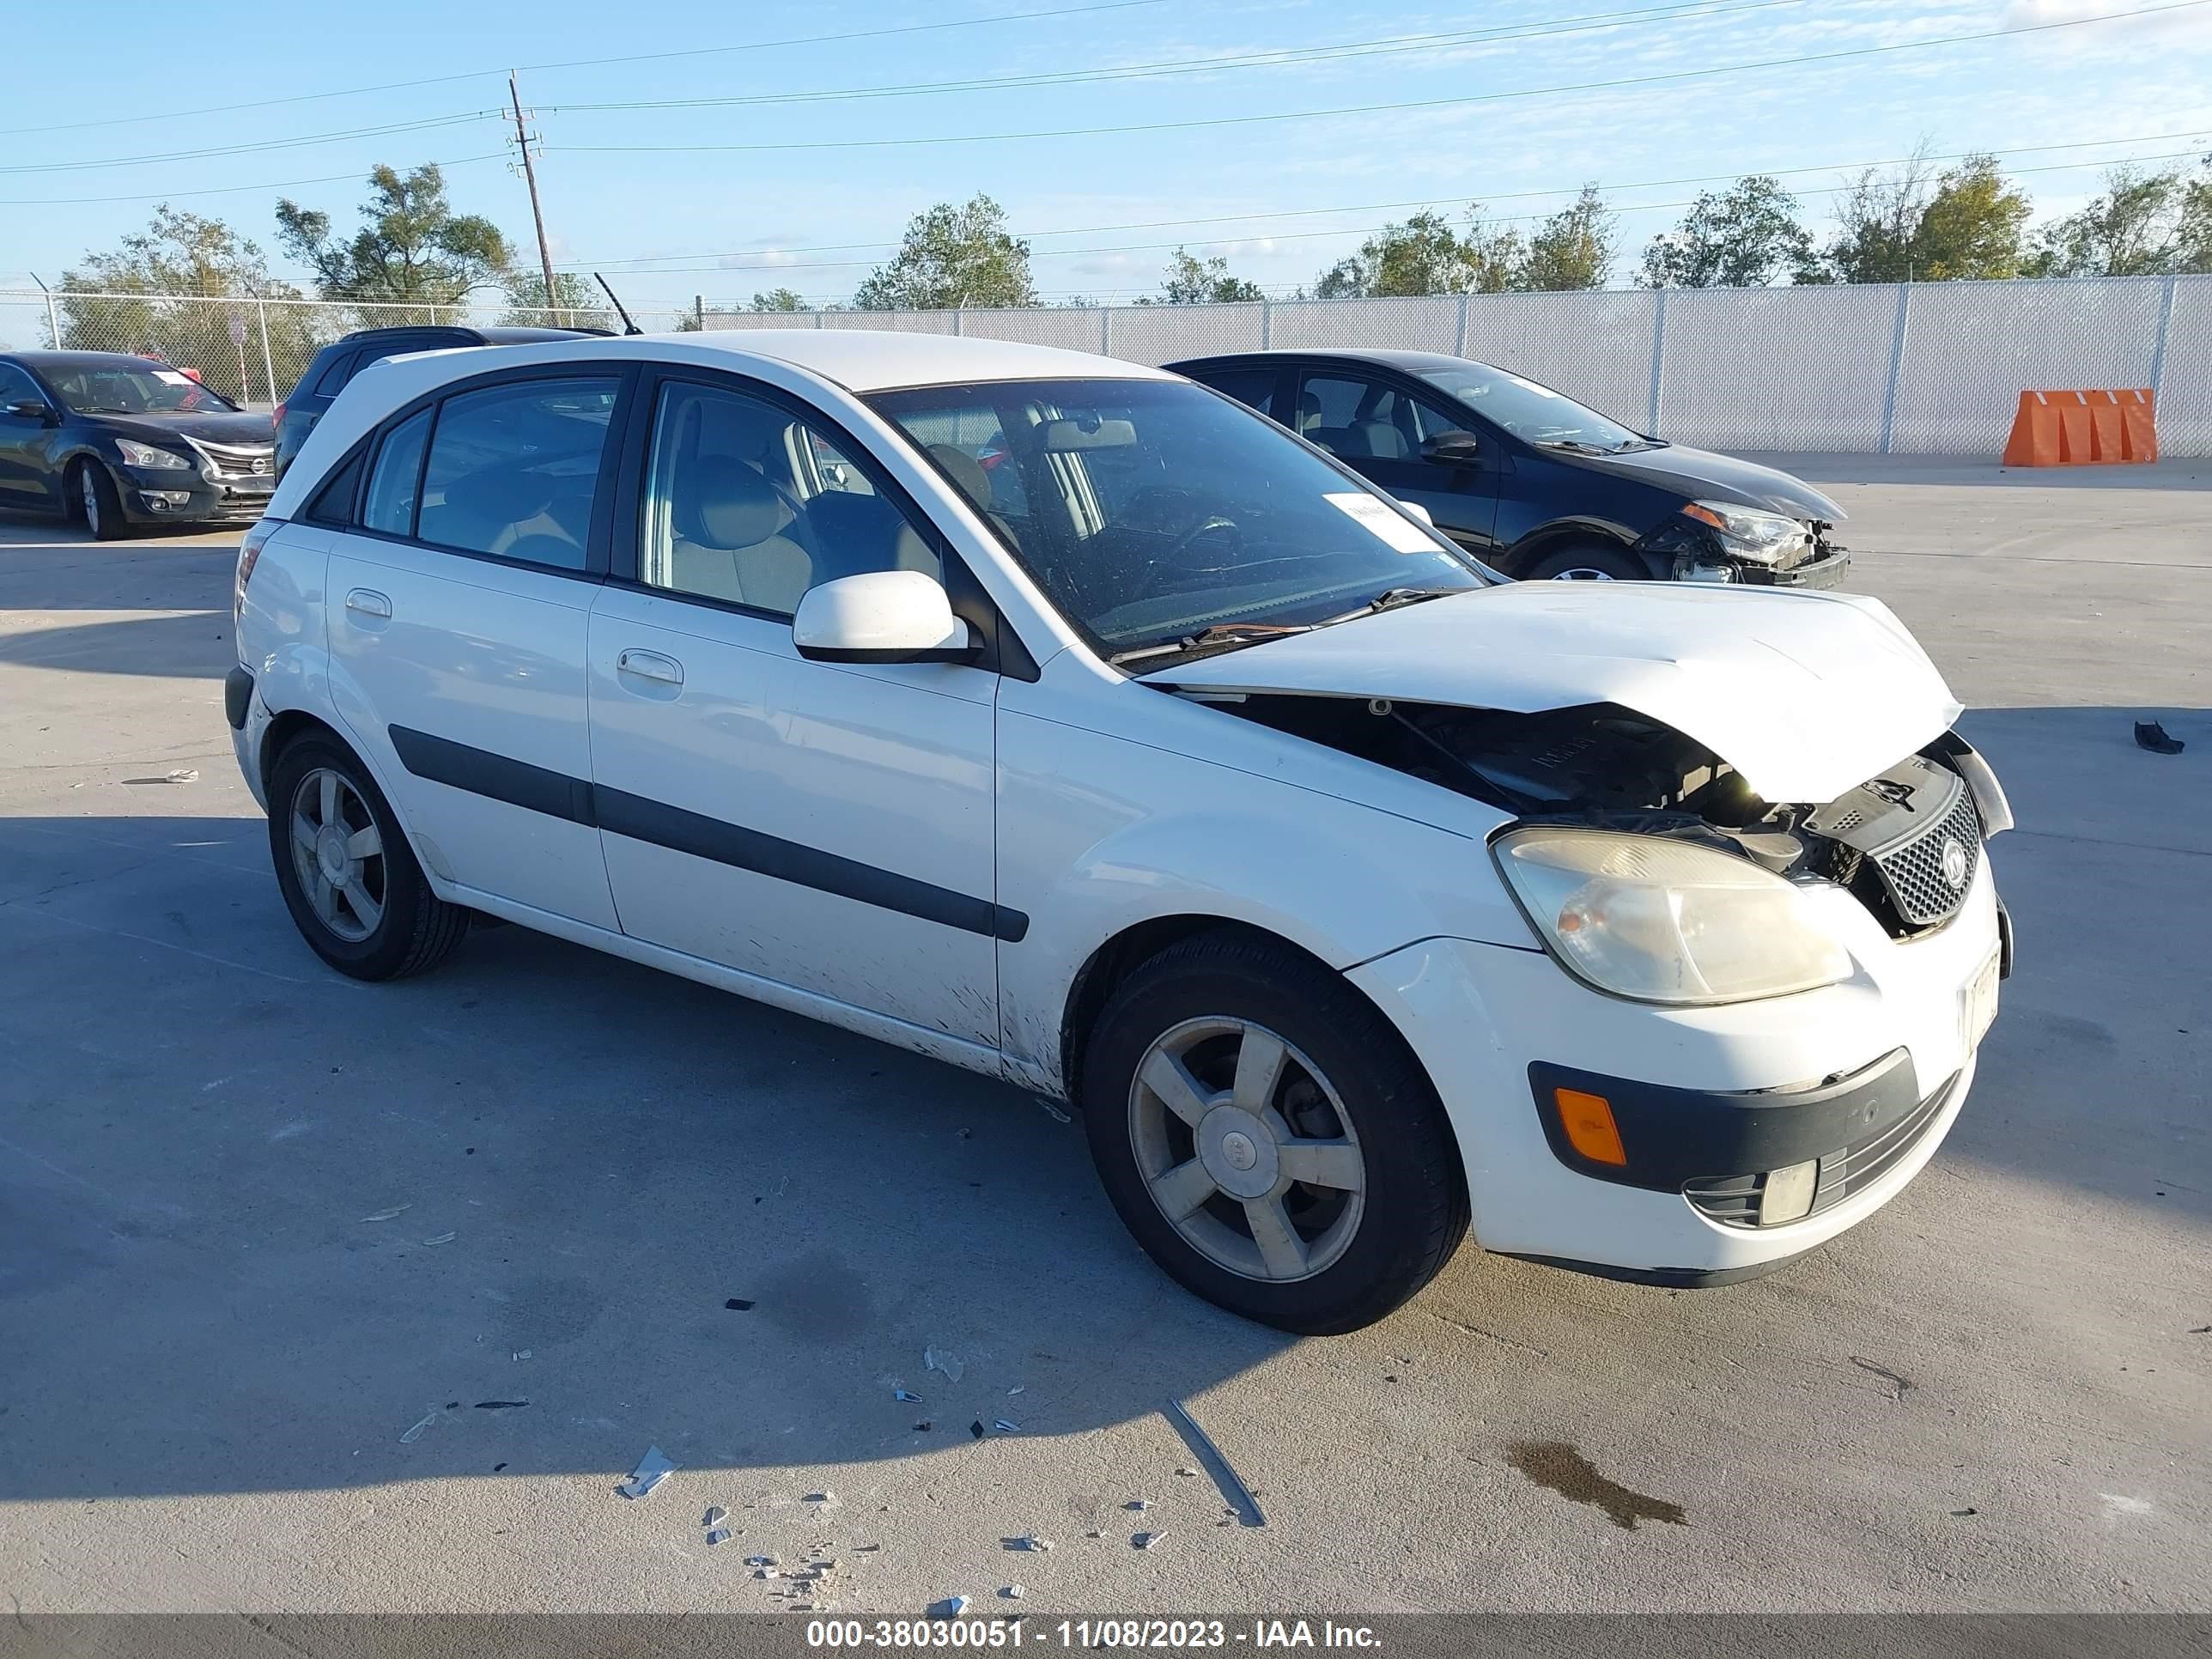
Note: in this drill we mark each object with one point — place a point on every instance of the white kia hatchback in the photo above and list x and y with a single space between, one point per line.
1070 722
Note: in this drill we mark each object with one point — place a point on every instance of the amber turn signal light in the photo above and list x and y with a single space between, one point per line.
1590 1129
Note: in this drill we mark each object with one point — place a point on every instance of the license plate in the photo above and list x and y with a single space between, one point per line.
1978 1004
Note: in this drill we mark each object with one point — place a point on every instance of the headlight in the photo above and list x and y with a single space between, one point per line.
138 454
1749 533
1666 920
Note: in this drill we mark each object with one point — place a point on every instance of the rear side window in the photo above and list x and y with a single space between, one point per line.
333 502
514 470
1255 386
390 507
336 372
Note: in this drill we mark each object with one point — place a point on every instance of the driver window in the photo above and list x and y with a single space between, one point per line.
16 387
750 506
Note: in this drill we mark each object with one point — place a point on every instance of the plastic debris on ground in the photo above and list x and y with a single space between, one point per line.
937 1360
951 1607
1144 1540
2150 735
828 1500
760 1560
652 1470
1006 1427
1019 1387
1224 1473
1187 1472
442 1238
1013 1592
184 774
716 1515
387 1215
718 1535
522 1353
1139 1504
416 1433
738 1304
1028 1540
907 1394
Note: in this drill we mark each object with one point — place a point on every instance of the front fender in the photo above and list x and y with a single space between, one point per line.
1099 834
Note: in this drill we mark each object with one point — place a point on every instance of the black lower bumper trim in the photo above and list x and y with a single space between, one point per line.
1675 1136
1670 1279
237 697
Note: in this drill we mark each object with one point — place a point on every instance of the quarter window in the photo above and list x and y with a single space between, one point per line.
514 469
751 505
391 483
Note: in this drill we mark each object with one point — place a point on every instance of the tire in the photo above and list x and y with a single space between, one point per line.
96 502
1339 1080
381 921
1588 562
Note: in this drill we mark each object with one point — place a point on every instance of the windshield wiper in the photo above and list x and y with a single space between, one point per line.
1225 635
1391 598
1583 444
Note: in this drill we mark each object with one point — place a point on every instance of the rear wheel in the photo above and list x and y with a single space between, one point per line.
98 503
349 877
1266 1134
1589 564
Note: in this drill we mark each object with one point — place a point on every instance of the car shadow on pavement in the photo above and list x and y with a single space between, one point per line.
263 1227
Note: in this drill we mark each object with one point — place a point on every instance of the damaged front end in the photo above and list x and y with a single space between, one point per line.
1716 541
1906 843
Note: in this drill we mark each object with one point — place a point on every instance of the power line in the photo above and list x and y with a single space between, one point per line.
217 152
1289 57
1385 207
590 63
228 190
1378 109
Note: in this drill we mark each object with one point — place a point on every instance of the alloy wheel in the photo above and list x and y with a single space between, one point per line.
88 487
337 854
1246 1150
1581 573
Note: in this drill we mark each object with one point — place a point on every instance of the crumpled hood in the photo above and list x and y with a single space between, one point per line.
1702 474
1806 695
215 426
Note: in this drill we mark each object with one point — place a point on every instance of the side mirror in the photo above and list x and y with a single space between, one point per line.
1453 449
30 408
880 615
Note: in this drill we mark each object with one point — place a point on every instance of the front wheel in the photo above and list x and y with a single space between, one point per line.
1589 564
1267 1137
349 877
98 503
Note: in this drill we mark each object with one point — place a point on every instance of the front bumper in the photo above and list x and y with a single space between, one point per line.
1862 1080
166 495
1824 571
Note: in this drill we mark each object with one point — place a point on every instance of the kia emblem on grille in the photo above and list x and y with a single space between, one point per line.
1954 864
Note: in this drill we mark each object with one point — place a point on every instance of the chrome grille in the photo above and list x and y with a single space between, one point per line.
1927 880
237 460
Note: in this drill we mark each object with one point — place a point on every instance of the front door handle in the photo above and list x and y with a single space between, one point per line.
369 603
650 665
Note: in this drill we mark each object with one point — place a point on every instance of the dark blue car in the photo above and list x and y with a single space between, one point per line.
1530 481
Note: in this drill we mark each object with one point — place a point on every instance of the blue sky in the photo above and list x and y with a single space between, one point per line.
641 190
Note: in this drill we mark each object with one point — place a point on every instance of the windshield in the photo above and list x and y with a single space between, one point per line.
156 389
1535 413
1152 511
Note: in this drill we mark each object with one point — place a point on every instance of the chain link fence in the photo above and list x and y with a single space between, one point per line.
1923 368
1933 368
254 351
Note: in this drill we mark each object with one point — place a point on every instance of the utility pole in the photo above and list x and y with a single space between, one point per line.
530 175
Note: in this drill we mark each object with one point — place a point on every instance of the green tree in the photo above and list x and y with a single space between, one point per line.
1191 281
1573 248
1426 255
411 247
778 298
952 256
2144 224
1971 228
1742 237
199 279
576 303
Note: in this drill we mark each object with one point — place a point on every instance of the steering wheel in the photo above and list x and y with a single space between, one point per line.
1167 564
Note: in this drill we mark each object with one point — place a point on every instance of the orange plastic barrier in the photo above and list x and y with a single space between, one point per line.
2083 429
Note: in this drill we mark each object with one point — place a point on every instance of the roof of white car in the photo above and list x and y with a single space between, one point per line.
873 360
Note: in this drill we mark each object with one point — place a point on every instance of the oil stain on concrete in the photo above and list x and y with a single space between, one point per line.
1558 1466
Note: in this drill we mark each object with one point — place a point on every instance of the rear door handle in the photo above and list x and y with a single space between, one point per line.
650 665
369 603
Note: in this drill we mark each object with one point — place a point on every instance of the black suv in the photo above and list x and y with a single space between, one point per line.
345 357
1531 482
